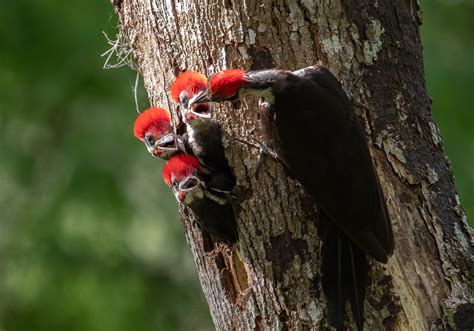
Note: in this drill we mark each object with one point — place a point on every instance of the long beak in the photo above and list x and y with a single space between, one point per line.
194 103
207 115
149 147
168 143
189 184
200 97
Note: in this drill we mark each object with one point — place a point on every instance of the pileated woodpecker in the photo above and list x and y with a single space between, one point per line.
203 137
153 127
193 187
325 148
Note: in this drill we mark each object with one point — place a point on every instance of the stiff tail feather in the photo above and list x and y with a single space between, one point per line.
344 275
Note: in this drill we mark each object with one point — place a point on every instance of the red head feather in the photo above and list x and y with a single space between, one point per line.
179 167
156 117
189 81
227 82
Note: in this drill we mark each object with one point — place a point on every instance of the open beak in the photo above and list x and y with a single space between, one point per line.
189 184
167 145
200 97
195 113
197 107
150 148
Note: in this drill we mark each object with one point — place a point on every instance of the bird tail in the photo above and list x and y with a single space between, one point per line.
344 275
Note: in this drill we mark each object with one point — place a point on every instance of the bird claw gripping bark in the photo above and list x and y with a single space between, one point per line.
310 106
264 150
350 90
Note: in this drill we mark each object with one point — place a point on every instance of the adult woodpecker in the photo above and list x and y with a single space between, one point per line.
203 137
324 147
190 185
153 127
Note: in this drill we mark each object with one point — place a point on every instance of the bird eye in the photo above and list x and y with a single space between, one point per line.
183 100
150 139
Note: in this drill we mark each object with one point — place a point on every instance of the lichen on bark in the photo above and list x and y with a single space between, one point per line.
271 279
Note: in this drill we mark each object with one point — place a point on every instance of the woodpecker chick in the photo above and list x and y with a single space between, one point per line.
325 148
194 187
203 136
184 88
153 128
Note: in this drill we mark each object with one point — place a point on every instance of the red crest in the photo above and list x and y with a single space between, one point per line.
189 81
152 117
179 167
227 83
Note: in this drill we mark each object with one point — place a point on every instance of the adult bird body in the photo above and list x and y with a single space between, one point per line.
324 146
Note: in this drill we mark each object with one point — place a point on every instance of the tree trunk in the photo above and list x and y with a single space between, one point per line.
271 279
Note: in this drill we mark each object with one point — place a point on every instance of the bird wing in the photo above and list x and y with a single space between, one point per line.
326 150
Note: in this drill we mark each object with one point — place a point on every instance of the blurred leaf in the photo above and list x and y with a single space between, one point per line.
86 242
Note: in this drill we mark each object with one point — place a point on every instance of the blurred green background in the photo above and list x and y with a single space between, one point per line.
85 242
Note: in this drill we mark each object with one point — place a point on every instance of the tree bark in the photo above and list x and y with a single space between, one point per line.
271 279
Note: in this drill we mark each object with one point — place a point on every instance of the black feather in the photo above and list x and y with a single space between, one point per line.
344 274
325 147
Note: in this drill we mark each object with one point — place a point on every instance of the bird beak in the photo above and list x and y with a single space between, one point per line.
168 144
181 196
200 97
150 148
201 111
189 184
197 107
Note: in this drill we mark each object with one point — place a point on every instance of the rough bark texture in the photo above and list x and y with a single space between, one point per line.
271 279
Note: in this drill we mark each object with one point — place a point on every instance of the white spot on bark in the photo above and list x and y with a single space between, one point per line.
392 148
349 55
461 237
250 39
432 175
243 52
373 45
315 312
294 27
295 14
311 7
169 7
225 142
458 201
278 54
331 46
261 28
179 7
400 106
435 135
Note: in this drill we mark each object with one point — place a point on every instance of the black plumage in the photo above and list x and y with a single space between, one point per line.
213 211
203 139
215 215
325 148
310 122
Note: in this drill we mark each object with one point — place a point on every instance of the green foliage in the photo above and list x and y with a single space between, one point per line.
449 67
86 243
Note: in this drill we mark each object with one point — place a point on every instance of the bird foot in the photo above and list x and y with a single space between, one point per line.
264 151
350 90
